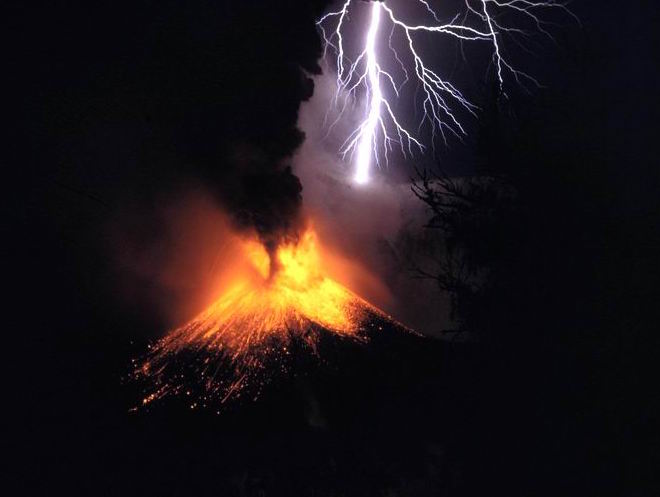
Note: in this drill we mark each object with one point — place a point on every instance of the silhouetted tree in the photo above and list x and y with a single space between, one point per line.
545 261
464 212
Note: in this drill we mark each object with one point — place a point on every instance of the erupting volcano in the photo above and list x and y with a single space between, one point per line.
279 301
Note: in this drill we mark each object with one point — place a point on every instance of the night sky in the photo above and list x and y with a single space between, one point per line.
114 110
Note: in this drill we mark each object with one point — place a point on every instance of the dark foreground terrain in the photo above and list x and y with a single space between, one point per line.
401 415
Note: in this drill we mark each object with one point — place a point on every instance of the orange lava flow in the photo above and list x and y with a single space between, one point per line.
231 346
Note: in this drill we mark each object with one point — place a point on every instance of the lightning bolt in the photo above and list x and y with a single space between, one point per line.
381 130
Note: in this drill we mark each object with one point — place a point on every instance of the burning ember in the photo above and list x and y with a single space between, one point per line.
278 301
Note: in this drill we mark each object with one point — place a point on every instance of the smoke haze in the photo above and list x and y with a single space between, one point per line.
363 222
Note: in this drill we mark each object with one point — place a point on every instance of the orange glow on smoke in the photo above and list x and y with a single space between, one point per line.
266 304
286 296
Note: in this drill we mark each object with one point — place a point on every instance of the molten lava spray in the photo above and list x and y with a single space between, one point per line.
245 336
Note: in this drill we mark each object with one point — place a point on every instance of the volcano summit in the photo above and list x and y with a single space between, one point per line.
276 302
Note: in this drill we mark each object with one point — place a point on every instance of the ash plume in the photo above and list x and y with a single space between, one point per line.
210 116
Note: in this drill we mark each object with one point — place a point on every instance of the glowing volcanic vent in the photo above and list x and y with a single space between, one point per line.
283 301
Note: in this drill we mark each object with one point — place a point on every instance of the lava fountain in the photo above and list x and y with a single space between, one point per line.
282 299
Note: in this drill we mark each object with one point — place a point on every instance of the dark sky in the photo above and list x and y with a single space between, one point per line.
132 100
111 106
116 105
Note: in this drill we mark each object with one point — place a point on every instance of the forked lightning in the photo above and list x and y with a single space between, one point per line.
380 130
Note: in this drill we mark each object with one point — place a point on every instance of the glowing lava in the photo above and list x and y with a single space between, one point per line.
245 335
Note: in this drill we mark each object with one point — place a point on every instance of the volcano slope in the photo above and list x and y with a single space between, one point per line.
276 306
346 417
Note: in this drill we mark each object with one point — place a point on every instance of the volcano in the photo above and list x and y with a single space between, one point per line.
279 309
344 416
